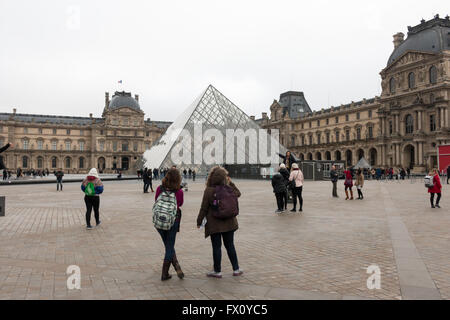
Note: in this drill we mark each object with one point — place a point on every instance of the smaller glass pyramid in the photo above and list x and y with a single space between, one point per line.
187 143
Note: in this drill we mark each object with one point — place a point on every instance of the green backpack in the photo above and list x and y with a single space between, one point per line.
165 210
90 189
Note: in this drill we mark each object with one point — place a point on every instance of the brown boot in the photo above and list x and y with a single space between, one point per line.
177 267
346 195
351 194
165 271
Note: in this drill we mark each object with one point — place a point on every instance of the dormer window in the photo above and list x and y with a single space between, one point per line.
411 80
433 75
392 85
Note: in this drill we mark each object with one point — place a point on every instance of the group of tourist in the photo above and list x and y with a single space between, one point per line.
216 215
289 180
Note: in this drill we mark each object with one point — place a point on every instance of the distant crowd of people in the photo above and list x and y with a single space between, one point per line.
288 182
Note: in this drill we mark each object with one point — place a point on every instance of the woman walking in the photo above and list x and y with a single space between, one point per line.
170 190
348 183
359 183
296 178
219 229
436 188
92 187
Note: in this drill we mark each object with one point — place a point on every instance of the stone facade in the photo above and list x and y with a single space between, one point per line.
117 140
400 128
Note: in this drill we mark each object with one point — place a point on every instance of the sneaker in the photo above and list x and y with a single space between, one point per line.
278 211
432 206
437 206
293 210
214 274
300 210
237 273
98 223
89 227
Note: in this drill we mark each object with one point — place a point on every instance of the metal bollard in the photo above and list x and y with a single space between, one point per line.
2 206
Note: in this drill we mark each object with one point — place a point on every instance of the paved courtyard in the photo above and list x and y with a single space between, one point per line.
322 253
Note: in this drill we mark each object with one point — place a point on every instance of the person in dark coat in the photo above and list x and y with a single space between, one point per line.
288 160
146 179
219 229
448 173
285 173
59 176
279 188
334 179
2 149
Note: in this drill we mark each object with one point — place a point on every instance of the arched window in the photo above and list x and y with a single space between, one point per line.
392 85
433 75
68 163
411 80
40 163
54 162
24 162
81 163
409 122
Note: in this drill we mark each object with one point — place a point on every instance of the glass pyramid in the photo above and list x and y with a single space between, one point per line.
212 110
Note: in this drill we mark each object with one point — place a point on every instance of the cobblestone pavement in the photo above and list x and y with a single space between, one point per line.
322 253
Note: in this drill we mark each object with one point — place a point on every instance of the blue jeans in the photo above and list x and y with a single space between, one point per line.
168 237
228 241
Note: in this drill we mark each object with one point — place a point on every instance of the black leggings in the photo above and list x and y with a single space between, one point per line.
92 202
360 194
297 193
437 200
228 241
280 199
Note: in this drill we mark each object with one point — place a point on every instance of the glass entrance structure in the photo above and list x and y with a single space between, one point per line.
213 127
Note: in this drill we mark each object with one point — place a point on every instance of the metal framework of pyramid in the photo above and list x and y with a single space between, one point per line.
214 111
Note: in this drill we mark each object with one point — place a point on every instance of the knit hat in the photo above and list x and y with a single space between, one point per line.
294 166
93 173
282 166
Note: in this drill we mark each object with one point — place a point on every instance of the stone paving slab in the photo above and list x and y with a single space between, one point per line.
322 253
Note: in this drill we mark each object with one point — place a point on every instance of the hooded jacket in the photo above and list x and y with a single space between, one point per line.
278 183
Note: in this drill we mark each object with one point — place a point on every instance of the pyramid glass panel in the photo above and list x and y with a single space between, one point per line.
186 139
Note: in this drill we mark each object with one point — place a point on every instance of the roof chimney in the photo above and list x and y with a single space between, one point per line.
136 97
90 115
14 110
264 115
398 39
106 99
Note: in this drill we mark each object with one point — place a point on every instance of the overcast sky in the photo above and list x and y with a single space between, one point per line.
59 57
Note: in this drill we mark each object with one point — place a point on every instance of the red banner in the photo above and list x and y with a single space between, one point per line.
444 157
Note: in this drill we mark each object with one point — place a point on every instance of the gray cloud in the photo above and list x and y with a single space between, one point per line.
169 51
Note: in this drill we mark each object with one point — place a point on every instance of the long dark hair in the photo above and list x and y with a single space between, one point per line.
217 176
172 180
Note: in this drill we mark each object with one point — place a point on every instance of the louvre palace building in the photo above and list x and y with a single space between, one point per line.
400 128
116 140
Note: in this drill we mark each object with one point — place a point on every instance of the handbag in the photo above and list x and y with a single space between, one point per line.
292 184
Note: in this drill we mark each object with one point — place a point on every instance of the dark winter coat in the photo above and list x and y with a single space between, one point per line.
334 176
2 165
285 174
278 183
214 225
147 177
